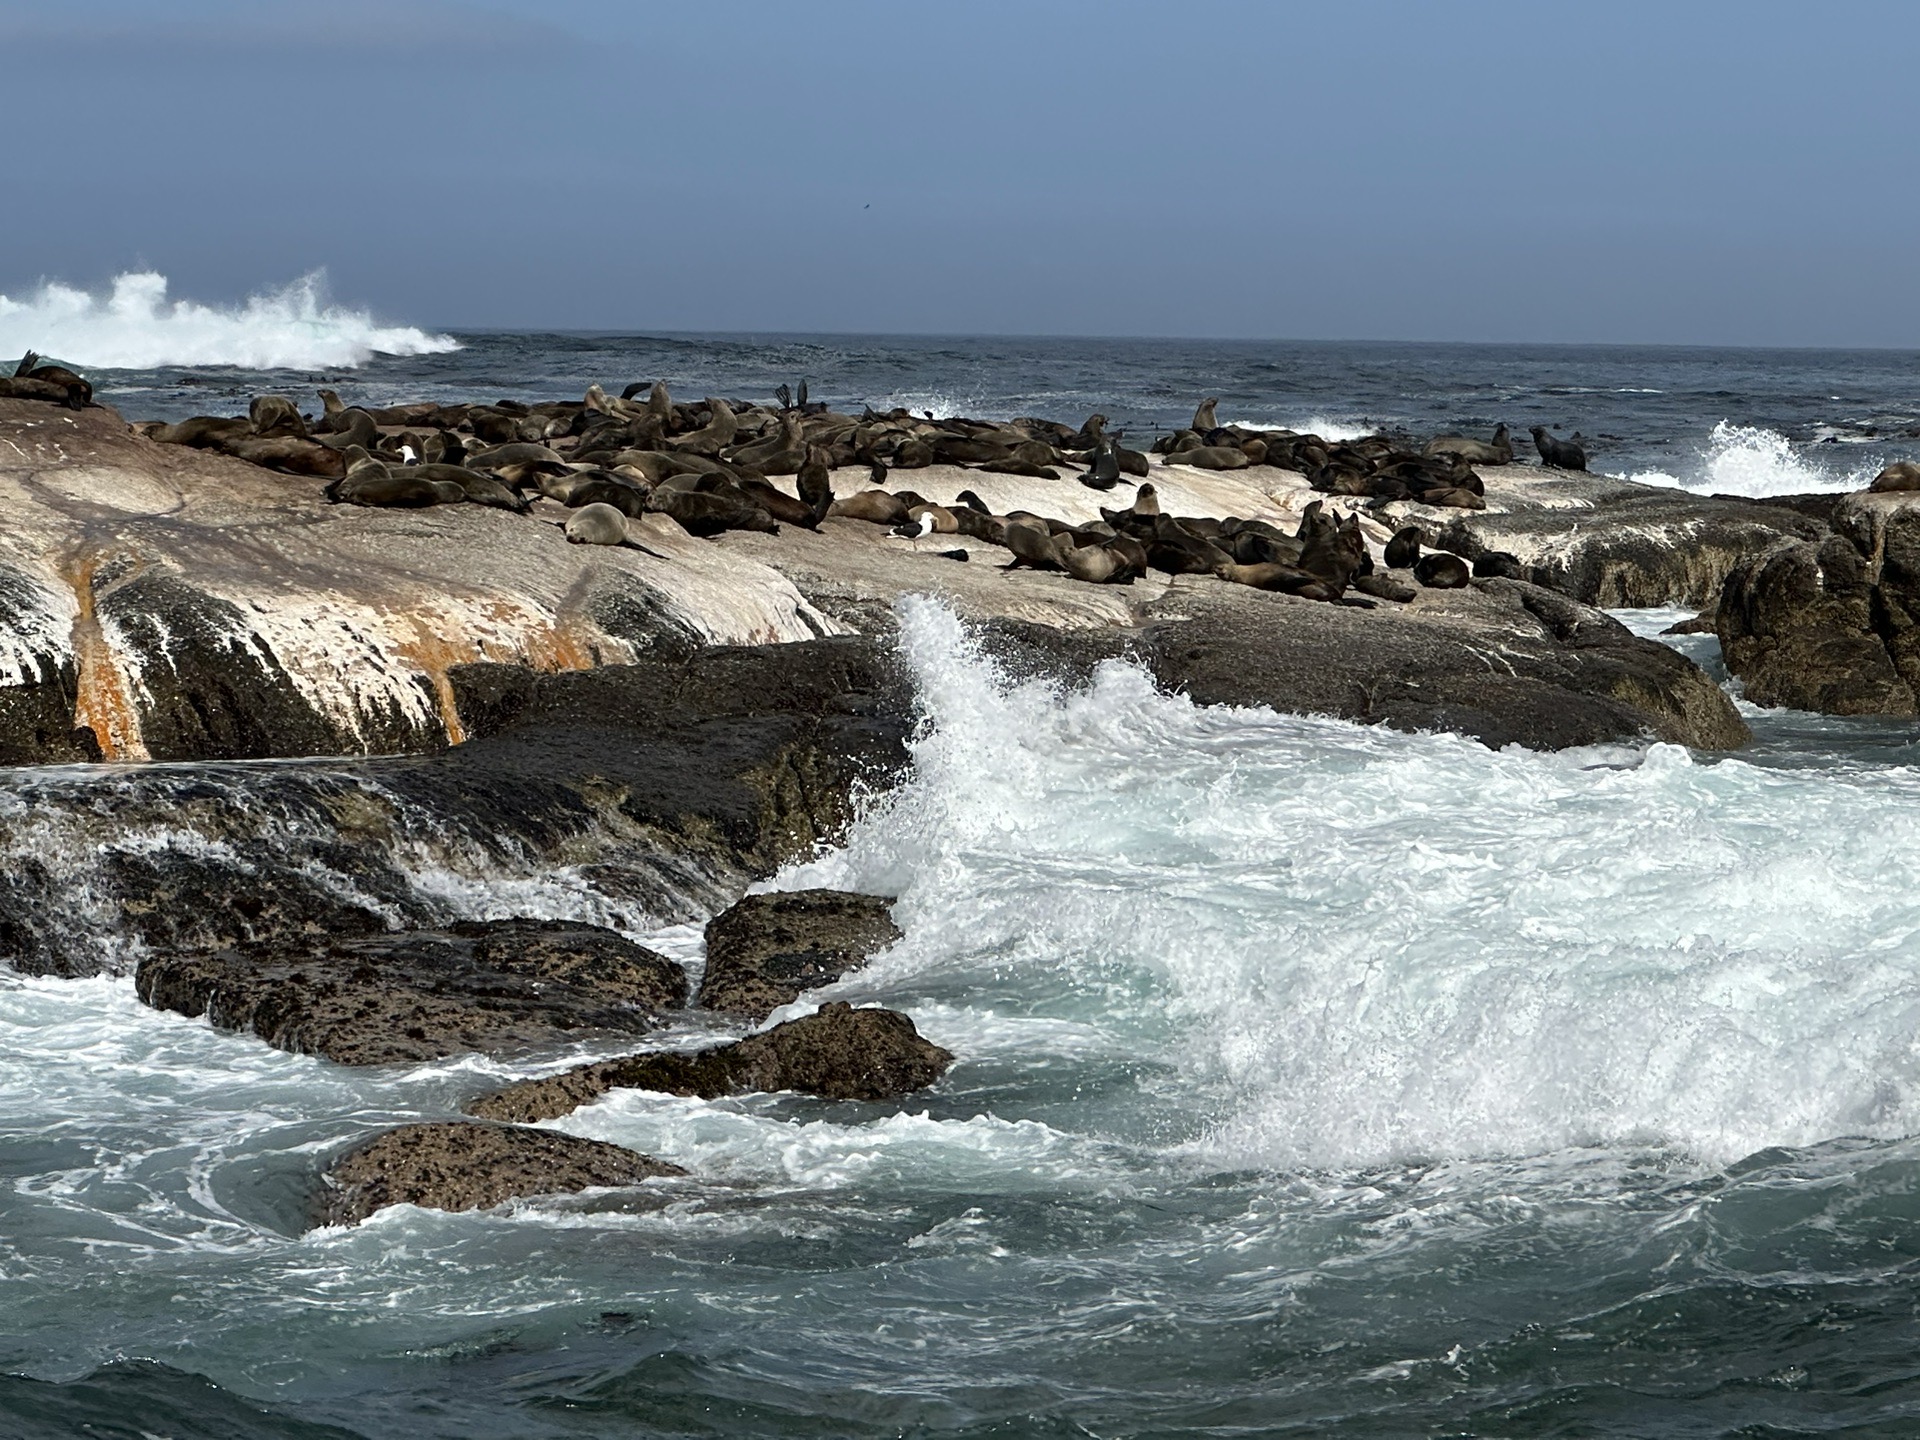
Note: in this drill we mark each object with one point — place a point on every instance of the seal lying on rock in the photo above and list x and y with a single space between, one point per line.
461 1165
1901 475
75 393
838 1053
1474 452
1441 571
597 524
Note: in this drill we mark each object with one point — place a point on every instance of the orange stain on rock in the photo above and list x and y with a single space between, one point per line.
103 701
517 638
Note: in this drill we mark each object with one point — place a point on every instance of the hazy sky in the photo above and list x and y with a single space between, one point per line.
1671 172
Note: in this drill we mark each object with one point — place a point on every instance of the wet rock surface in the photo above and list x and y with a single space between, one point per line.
664 789
1612 543
1502 661
1832 625
764 950
462 1165
838 1053
496 987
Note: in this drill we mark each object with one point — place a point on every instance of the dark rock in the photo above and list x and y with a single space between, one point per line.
491 986
838 1053
1502 661
460 1165
37 724
1833 625
670 785
1701 624
763 951
1632 545
211 689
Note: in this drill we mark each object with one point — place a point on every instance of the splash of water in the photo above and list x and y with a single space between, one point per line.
134 326
1755 461
1351 946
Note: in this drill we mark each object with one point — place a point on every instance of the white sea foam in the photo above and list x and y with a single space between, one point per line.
1324 426
1752 460
135 326
1352 946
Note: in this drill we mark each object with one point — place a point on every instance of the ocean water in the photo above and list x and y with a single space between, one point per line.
1743 422
1312 1080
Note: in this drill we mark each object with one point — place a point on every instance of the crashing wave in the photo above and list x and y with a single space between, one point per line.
136 327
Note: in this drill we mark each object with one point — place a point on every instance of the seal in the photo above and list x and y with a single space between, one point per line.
79 394
706 515
1105 473
1403 550
874 506
597 525
1901 475
1441 571
814 481
1560 454
1211 457
1032 545
1204 422
275 415
716 435
1498 564
1474 452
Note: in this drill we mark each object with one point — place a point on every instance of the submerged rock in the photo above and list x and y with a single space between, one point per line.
489 986
765 950
460 1165
838 1053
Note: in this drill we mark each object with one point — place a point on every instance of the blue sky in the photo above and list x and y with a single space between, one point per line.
1677 173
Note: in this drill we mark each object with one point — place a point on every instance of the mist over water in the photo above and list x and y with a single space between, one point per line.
1313 1079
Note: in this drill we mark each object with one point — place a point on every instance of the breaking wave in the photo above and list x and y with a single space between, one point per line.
1755 461
135 326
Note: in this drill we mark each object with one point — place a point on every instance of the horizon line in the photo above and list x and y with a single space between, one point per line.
639 333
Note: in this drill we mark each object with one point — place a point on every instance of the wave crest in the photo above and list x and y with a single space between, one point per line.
134 326
1755 461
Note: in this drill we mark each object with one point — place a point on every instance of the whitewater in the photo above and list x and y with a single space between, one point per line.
1312 1079
133 325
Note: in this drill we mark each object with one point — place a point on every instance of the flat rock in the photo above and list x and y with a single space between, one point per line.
838 1053
497 987
460 1165
764 950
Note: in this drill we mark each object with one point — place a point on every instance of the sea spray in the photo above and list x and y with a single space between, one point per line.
1754 461
134 326
1356 946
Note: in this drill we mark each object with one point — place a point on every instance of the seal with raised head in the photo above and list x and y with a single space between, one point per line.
1204 421
1560 454
79 394
1403 550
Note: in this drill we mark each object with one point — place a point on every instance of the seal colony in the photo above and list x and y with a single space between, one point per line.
712 466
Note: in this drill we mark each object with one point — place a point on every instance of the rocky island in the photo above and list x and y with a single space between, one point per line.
651 643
